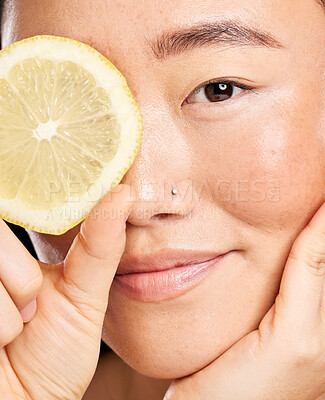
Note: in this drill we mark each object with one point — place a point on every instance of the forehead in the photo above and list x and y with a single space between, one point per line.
128 22
122 30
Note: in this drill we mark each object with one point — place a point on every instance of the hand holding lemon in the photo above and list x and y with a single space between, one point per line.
68 124
54 356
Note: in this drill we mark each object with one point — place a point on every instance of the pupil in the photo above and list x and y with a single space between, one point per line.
218 91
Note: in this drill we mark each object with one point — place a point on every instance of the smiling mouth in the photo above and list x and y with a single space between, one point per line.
157 284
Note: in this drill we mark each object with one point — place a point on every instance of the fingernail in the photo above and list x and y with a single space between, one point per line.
28 312
127 215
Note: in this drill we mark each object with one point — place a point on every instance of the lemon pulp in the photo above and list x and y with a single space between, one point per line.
59 132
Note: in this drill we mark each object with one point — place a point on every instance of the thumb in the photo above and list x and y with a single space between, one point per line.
301 291
91 263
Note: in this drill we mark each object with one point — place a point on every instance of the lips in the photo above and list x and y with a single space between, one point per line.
164 275
163 260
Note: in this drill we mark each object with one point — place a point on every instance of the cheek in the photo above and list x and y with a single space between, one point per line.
269 172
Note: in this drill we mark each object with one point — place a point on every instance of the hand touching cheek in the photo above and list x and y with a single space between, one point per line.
285 357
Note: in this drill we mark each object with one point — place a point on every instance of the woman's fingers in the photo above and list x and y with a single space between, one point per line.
301 292
92 260
11 323
20 273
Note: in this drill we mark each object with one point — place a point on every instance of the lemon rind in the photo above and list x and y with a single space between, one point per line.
123 105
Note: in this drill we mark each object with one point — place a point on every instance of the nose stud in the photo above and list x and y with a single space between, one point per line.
174 191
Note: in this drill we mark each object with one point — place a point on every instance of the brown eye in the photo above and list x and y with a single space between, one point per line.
218 91
215 92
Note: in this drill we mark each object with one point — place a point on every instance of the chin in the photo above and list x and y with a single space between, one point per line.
170 343
163 346
166 363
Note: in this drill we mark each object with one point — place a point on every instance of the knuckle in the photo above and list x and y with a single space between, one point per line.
310 251
316 262
29 286
10 329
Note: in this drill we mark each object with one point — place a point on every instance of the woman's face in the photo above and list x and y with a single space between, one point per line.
249 170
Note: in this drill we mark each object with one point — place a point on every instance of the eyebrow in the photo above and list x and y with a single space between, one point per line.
226 32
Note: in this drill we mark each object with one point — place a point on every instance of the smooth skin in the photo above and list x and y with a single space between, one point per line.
285 357
255 167
55 354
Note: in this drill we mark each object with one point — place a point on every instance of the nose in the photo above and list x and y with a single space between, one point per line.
163 163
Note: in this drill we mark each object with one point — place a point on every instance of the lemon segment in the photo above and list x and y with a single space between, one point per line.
69 131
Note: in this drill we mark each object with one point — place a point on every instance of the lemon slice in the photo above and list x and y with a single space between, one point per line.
69 130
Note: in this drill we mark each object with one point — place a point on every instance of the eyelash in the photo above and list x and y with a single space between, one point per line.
246 88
